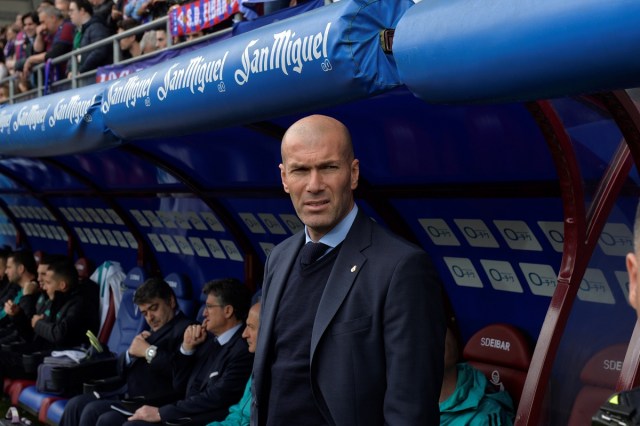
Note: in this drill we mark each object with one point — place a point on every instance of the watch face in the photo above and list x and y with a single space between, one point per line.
150 353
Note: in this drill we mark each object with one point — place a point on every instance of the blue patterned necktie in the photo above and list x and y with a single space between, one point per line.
311 252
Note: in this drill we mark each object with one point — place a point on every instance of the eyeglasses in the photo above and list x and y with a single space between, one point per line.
208 306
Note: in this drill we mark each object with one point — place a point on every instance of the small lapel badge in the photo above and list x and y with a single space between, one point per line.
214 374
353 268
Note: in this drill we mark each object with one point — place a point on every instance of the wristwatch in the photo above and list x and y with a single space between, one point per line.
150 353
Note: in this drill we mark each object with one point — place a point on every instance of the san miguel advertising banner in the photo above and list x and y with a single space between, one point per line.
323 57
63 123
200 14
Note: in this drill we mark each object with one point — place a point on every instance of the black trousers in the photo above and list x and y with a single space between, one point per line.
87 410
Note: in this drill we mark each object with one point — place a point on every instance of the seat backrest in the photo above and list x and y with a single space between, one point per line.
37 256
182 288
129 322
503 353
109 277
598 377
200 314
83 266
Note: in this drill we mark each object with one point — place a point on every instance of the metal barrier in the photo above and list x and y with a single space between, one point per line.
78 80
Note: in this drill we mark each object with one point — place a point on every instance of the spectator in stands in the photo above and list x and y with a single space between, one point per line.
25 39
61 327
146 366
81 13
63 6
150 10
4 71
130 45
44 3
9 48
215 370
467 398
102 10
193 35
240 413
54 38
4 93
117 12
134 10
161 38
18 22
148 42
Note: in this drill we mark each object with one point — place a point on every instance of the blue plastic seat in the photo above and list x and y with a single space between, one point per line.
200 315
54 413
129 322
182 288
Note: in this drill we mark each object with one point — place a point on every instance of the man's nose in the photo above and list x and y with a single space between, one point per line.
315 181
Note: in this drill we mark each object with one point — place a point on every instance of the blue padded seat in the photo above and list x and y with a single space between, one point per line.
203 301
182 288
129 322
32 400
54 413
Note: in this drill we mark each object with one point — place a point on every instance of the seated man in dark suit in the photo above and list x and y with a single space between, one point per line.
146 366
61 327
23 292
215 369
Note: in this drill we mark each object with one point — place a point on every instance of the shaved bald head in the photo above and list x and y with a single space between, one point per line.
313 127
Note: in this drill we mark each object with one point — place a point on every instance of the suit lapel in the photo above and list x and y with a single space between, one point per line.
348 264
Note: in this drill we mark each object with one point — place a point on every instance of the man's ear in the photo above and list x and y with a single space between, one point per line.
228 311
632 269
283 176
355 173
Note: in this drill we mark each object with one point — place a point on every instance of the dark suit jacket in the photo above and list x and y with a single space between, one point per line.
377 344
151 379
215 379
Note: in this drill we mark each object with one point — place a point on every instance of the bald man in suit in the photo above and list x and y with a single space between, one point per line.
355 337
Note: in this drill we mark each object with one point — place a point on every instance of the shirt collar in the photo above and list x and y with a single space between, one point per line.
227 335
339 232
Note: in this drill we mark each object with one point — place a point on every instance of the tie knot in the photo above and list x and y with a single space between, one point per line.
312 252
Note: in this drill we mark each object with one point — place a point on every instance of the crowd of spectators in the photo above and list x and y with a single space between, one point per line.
57 27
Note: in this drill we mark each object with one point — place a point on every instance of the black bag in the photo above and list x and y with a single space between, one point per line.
65 376
46 383
621 409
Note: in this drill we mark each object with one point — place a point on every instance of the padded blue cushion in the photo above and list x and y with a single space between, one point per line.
129 322
32 399
182 288
55 411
